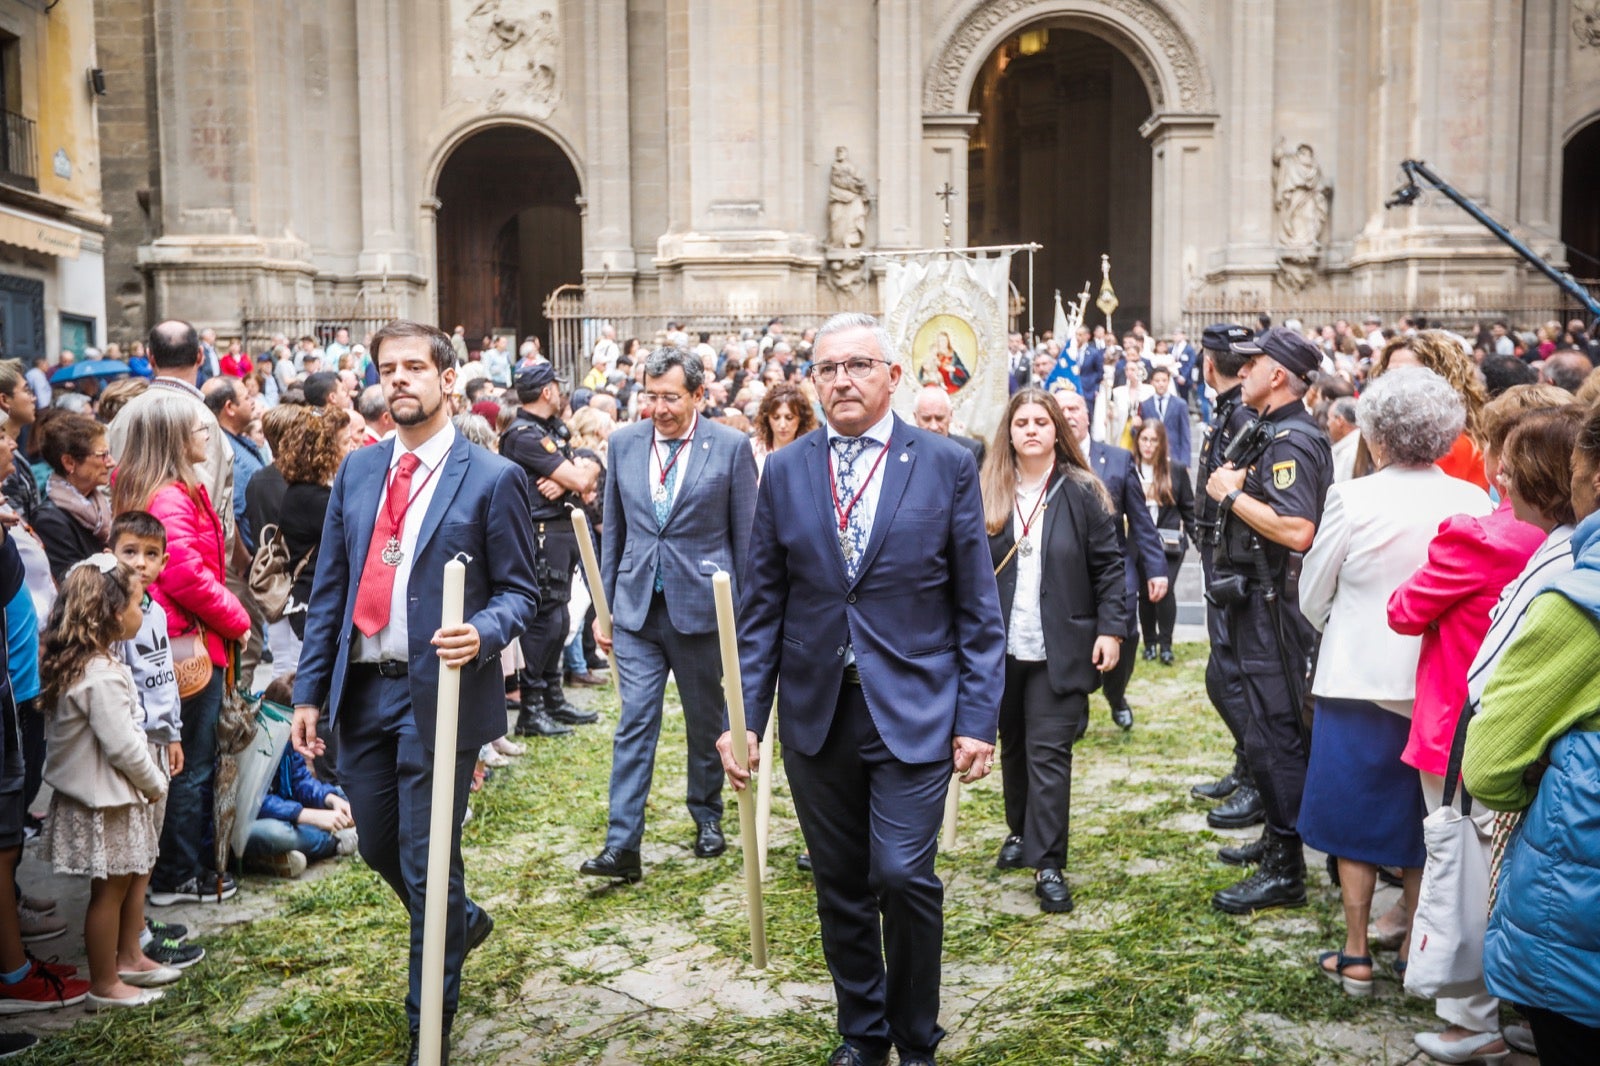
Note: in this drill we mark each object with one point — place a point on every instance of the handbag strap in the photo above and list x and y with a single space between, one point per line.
1452 773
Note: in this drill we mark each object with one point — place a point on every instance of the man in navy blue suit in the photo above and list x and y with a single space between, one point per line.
1172 413
1136 535
399 511
870 595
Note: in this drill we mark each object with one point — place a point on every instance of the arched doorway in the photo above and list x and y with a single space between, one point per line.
1057 157
509 232
1580 207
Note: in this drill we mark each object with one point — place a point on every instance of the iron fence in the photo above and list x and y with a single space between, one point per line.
259 324
1462 313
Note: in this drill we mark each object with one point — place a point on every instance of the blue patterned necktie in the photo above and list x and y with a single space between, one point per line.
663 497
853 538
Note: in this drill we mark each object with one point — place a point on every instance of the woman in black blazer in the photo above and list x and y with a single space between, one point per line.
1170 497
1060 576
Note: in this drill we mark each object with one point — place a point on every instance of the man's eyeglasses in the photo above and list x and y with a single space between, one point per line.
859 368
671 399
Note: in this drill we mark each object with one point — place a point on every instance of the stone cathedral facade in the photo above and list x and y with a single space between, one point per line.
462 159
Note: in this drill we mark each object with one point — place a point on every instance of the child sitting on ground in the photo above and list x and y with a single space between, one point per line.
139 541
102 822
302 820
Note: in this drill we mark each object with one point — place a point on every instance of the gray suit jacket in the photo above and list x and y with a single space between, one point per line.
707 529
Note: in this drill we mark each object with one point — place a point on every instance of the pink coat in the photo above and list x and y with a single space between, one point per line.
191 587
1447 602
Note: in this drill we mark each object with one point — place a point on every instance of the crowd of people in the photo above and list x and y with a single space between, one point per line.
1393 524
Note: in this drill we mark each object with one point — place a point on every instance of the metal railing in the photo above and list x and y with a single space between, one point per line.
259 324
19 154
1461 312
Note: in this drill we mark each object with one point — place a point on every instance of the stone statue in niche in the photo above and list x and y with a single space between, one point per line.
509 49
1301 198
848 200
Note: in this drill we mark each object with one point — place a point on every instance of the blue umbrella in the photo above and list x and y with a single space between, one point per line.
91 368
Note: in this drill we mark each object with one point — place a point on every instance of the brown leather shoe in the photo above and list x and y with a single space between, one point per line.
586 680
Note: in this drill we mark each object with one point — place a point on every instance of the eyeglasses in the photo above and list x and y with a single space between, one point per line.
671 399
197 430
859 368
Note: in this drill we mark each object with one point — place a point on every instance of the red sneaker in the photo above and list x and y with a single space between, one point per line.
41 990
53 965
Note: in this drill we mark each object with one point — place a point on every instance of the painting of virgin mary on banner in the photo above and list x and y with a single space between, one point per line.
946 315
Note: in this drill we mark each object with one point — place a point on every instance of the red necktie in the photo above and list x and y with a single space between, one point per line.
377 577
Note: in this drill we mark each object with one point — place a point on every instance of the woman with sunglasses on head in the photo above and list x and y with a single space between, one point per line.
1061 592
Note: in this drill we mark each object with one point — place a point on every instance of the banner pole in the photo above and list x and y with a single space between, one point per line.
733 687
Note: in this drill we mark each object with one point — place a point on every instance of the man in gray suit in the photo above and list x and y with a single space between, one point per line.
679 501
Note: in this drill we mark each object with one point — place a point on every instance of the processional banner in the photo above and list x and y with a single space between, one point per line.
947 315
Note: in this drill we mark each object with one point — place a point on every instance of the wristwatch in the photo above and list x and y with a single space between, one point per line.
1226 506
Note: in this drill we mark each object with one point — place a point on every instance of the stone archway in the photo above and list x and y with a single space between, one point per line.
1180 129
1580 208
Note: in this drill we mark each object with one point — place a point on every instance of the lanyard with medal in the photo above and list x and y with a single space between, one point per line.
392 555
843 510
1024 545
659 493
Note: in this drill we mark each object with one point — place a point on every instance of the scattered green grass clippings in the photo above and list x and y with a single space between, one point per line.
1144 971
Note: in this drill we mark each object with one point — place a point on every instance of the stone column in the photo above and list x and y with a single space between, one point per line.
899 158
944 159
608 259
386 248
1251 39
1181 219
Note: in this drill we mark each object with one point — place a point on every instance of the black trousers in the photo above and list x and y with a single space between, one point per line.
1157 620
1037 731
1224 681
544 641
1561 1040
1274 742
872 825
1115 680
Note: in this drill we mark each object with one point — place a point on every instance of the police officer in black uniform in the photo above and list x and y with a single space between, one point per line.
1270 495
1223 682
538 441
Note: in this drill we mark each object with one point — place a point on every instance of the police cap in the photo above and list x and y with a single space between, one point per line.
1286 348
1222 335
531 381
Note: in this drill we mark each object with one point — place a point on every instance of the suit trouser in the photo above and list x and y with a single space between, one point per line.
871 823
1224 683
1116 679
1274 739
1037 730
644 658
386 770
1157 620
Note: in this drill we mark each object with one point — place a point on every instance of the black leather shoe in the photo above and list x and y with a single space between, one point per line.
1123 716
910 1059
539 724
414 1054
1245 854
1054 895
1149 653
802 861
848 1054
709 841
1242 810
1166 655
1280 880
1010 857
478 931
585 680
568 714
1221 788
616 863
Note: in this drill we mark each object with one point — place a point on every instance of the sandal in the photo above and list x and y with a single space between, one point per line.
1353 986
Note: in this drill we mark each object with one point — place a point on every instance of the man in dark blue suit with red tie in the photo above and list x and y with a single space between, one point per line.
870 604
1172 413
399 511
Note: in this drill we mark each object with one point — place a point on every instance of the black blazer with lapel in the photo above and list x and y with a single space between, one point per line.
1081 586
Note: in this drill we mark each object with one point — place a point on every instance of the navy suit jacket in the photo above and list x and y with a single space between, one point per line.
1146 560
1179 447
709 523
1091 369
479 507
923 613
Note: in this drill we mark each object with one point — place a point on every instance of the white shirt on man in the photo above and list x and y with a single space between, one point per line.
393 640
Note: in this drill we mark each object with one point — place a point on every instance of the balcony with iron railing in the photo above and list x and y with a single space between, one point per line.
19 153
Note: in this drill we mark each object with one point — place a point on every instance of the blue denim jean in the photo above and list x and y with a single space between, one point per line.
188 823
576 661
273 836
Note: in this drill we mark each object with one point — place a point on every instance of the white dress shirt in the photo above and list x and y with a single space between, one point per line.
1344 456
1025 634
393 640
660 454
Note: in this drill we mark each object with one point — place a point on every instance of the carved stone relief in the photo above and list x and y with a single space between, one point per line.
506 53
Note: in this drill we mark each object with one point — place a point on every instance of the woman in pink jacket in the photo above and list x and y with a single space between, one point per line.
157 473
1447 602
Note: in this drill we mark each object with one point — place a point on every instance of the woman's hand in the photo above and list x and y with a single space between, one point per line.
1107 651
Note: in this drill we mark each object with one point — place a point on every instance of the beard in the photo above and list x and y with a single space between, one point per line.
415 418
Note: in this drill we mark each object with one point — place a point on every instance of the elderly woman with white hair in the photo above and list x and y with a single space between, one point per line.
1361 803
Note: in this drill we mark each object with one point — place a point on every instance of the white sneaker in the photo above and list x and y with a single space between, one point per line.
145 996
289 864
1467 1049
507 746
494 759
161 975
345 841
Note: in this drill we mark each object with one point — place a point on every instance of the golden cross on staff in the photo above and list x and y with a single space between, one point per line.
946 192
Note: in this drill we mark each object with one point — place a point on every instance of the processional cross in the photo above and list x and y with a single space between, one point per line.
946 192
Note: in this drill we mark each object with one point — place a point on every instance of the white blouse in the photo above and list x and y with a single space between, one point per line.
1025 635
